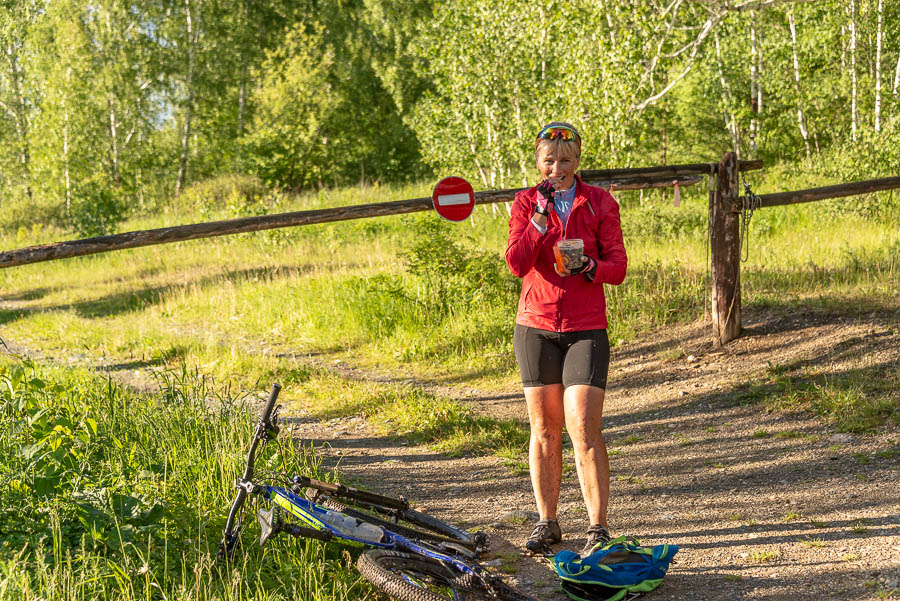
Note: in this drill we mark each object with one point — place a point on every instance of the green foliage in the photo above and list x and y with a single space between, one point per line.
665 222
127 496
238 195
153 97
97 208
455 279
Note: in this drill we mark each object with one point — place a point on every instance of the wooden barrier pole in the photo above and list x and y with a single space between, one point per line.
725 249
663 170
836 191
179 233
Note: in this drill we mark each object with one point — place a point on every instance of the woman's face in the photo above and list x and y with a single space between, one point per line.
557 163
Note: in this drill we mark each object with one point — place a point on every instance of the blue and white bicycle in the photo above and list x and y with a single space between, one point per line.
410 556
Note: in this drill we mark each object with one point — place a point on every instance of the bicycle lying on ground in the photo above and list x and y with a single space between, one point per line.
410 555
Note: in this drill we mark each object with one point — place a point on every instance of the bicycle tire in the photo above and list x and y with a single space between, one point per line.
409 577
427 528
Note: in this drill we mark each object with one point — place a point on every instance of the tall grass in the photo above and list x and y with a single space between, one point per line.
111 495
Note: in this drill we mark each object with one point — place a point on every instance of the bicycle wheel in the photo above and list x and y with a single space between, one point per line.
409 577
412 524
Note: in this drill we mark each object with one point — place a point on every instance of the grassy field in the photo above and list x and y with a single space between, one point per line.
113 495
398 295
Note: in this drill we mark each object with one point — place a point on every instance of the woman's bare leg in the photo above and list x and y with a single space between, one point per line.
584 423
546 416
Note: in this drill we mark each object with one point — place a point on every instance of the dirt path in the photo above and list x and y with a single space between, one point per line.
765 506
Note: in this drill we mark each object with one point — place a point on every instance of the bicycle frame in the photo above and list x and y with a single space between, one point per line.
312 516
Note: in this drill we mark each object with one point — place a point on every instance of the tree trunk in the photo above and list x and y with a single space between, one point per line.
242 92
520 132
242 98
67 181
20 116
754 82
800 120
759 86
474 149
113 141
191 32
896 77
878 37
854 116
730 120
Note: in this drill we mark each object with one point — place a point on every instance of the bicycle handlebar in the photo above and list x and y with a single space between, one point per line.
270 404
262 427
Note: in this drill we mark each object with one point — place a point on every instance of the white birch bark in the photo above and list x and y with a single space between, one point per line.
878 37
472 147
800 120
19 113
759 80
192 35
854 115
113 139
896 77
66 181
730 121
754 82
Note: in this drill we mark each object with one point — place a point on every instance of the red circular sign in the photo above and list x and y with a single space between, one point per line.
453 198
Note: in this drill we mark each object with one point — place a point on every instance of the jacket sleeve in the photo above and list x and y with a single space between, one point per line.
524 241
613 261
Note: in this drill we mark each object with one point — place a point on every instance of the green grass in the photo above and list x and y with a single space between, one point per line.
860 527
420 417
764 556
111 495
856 399
814 542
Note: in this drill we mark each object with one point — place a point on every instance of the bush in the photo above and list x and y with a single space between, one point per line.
96 208
239 195
454 278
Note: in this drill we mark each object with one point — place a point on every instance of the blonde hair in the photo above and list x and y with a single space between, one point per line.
562 148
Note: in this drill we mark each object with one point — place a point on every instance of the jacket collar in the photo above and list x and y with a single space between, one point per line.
580 197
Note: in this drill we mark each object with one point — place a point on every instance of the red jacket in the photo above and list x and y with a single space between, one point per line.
566 304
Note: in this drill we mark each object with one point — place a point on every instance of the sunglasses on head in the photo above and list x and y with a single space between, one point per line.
559 132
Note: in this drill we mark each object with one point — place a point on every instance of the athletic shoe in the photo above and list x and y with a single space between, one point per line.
546 532
596 535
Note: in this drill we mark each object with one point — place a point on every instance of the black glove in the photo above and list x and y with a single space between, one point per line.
544 198
588 268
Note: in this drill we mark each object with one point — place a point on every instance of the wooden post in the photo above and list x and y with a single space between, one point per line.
725 248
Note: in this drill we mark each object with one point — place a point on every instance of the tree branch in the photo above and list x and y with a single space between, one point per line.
707 28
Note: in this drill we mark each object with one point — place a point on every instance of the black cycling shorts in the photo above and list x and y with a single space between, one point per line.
561 357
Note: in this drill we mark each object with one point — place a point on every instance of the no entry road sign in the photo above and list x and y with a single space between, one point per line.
453 198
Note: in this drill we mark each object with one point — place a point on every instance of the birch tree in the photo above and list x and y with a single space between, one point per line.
755 86
190 41
880 11
17 98
801 122
854 111
730 118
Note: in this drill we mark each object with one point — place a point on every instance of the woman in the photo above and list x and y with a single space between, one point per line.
560 338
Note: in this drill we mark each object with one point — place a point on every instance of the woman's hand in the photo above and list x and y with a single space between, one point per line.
588 267
544 198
